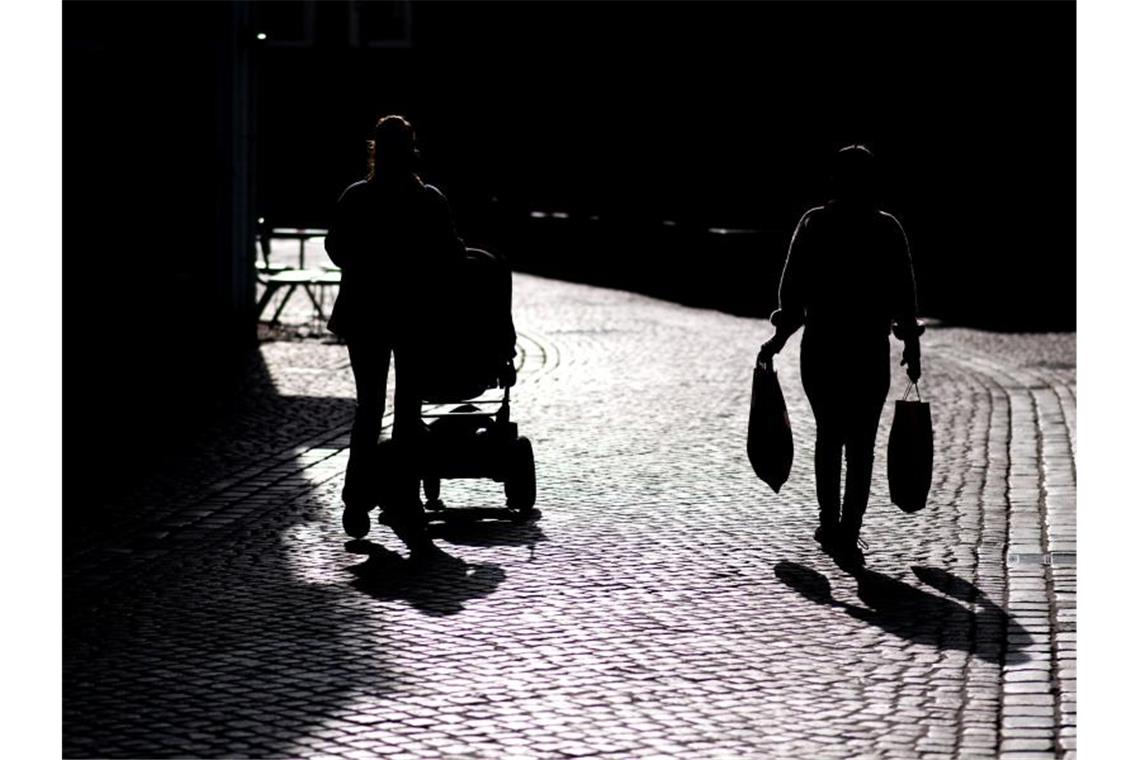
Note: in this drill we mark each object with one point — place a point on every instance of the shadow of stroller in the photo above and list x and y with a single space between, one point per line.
486 526
433 582
917 615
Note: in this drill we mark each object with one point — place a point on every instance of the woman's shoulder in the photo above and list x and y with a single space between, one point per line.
813 216
891 223
434 201
354 190
434 194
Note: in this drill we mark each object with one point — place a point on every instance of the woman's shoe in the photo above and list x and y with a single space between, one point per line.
412 530
849 555
355 521
827 536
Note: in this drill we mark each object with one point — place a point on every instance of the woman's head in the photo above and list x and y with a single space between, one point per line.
392 149
853 176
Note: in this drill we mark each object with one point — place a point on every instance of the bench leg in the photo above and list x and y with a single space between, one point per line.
316 303
281 307
270 289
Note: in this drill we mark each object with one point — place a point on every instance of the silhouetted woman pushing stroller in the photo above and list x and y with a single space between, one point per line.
391 234
848 282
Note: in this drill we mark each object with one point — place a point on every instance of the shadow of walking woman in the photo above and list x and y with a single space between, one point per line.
917 615
435 582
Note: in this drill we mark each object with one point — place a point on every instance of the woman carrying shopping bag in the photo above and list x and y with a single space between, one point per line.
847 281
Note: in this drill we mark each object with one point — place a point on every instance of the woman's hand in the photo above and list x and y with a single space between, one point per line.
785 326
770 348
508 376
912 360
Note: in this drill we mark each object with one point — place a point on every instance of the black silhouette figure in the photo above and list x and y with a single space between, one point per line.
391 234
847 280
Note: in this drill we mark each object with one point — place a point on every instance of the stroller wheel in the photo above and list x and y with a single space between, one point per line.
520 482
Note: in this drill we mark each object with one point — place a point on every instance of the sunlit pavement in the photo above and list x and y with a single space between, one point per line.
666 603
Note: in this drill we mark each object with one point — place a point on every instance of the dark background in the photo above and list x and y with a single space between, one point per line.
714 115
647 124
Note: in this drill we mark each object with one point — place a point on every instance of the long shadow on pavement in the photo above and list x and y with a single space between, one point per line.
917 615
228 654
216 645
223 644
439 583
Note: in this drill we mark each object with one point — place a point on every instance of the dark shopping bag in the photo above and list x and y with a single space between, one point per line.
769 431
910 453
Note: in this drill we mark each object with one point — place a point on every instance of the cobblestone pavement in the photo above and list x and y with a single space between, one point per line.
666 604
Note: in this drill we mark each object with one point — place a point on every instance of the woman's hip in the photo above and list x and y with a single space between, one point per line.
845 373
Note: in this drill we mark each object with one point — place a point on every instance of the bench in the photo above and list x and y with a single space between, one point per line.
293 279
273 277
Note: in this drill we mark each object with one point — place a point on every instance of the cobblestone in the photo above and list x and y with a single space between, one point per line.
666 604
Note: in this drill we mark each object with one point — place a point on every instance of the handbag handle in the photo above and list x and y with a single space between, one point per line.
914 385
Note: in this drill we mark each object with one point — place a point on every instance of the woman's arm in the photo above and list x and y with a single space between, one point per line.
905 324
904 308
339 242
789 317
445 240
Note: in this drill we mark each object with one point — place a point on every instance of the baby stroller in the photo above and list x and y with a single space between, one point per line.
472 356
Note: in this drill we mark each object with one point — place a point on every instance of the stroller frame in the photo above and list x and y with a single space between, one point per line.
476 437
471 441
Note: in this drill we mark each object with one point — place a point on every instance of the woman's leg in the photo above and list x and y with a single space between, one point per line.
818 384
408 425
370 363
828 453
868 392
862 429
404 507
